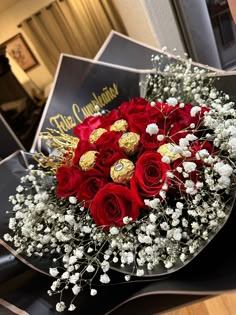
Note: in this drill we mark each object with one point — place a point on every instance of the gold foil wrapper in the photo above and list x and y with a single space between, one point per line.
120 125
166 150
87 160
96 134
122 171
129 142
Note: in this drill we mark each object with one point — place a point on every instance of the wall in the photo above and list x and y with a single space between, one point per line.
163 20
151 22
9 19
136 21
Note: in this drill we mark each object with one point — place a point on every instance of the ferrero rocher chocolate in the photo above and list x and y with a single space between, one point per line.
96 134
129 142
87 160
120 125
122 171
167 149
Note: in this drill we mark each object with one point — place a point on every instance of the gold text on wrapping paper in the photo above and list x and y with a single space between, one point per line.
64 123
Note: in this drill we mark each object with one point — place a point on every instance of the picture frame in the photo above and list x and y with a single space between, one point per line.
18 49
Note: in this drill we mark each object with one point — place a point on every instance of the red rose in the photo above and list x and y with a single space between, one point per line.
110 118
93 180
109 151
179 181
108 155
69 180
136 105
82 147
179 122
184 119
197 146
139 113
195 175
111 204
150 142
84 130
175 132
162 112
138 122
108 138
150 175
164 109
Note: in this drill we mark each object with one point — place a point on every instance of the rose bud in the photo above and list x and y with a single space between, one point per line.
122 171
120 125
87 160
96 134
129 142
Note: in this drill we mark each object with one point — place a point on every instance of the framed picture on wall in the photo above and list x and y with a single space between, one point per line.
17 48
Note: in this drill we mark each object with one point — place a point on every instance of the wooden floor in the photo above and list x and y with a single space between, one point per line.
221 305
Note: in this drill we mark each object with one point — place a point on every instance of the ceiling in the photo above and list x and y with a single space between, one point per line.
5 4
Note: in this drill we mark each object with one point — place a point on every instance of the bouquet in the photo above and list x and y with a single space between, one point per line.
141 189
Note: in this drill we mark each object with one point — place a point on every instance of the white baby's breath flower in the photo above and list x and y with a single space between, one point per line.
72 307
7 237
152 217
160 137
19 188
177 235
168 264
154 203
65 275
183 142
114 230
74 277
139 272
70 219
189 166
93 292
127 220
172 101
191 137
170 174
195 110
60 307
104 278
165 159
72 260
152 129
72 200
164 226
201 154
182 257
90 268
53 272
76 289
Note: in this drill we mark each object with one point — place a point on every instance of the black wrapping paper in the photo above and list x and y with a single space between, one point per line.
79 85
9 141
210 273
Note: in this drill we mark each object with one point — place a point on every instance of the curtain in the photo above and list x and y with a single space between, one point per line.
77 27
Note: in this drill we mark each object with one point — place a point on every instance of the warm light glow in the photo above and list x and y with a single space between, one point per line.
232 6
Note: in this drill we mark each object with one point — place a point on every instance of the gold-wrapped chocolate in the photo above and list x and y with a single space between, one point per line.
129 142
96 134
122 171
87 160
120 125
167 149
